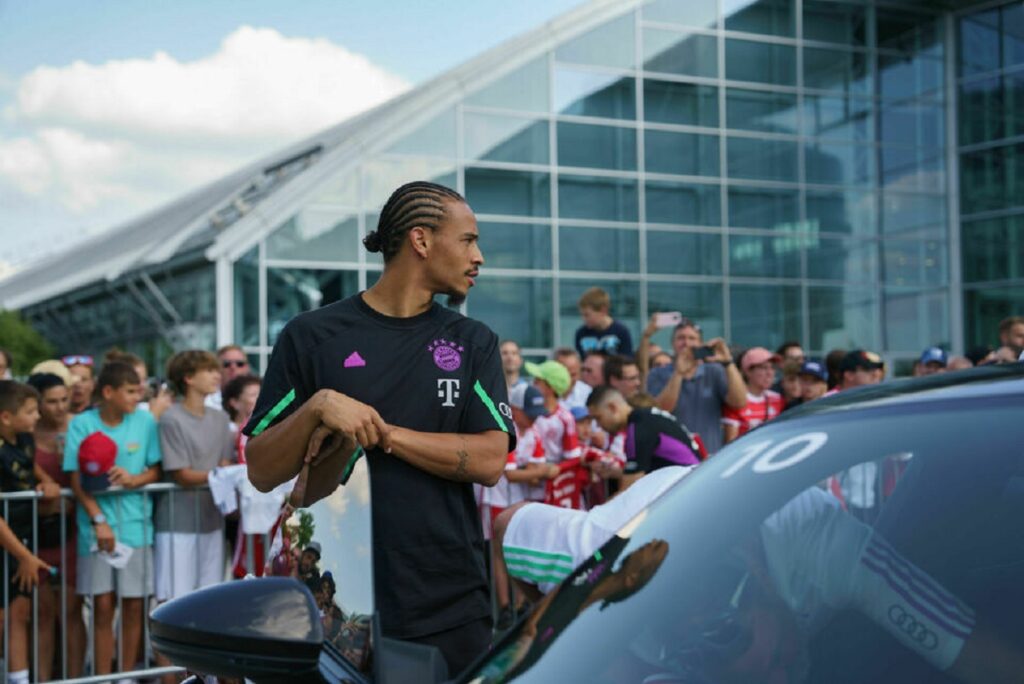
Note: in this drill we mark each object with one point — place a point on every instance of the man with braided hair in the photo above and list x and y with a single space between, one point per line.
420 389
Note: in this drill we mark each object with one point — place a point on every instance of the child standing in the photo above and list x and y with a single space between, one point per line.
19 412
115 445
601 332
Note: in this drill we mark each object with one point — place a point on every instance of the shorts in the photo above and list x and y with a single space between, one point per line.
186 561
97 576
543 544
68 570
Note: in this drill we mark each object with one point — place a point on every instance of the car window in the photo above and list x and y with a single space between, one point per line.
328 548
867 546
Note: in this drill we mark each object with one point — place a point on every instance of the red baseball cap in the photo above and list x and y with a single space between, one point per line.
96 456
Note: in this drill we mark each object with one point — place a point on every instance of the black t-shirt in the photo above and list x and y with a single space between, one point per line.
655 439
615 339
435 372
16 475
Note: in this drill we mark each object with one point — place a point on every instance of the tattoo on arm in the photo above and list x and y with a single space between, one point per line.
462 468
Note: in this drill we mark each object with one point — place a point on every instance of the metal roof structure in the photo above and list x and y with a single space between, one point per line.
224 218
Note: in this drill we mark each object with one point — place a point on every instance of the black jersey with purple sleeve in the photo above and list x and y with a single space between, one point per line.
655 439
435 372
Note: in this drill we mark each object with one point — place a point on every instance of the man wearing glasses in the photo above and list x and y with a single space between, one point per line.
233 363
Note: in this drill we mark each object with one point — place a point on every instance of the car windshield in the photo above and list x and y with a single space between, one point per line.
860 545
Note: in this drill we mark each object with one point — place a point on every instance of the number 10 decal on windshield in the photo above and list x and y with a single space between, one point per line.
772 456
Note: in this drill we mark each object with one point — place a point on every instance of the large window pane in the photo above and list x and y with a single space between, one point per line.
993 249
981 115
525 89
837 118
588 93
687 154
918 319
517 193
505 139
913 168
316 235
774 17
761 159
1013 34
914 262
515 245
594 197
846 211
902 77
847 260
765 256
598 249
600 147
290 291
837 71
435 138
760 62
383 176
843 318
514 308
702 303
683 203
246 307
839 164
677 253
763 208
912 124
765 315
992 179
699 13
625 305
984 308
680 103
756 110
835 22
611 44
979 42
904 212
686 54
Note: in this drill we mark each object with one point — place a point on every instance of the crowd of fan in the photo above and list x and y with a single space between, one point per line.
717 391
113 546
118 430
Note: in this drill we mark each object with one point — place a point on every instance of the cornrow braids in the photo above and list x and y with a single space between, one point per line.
420 203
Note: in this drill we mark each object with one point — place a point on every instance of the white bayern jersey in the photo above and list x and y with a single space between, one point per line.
822 559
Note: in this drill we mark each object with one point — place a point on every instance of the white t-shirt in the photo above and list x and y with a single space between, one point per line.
577 397
822 559
558 435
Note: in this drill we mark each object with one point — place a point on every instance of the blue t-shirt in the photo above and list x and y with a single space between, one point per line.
615 339
129 514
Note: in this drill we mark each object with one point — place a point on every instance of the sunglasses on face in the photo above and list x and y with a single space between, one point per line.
228 363
77 360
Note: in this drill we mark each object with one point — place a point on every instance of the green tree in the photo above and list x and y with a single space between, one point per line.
26 345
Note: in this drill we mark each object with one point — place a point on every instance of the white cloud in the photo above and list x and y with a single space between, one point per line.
108 141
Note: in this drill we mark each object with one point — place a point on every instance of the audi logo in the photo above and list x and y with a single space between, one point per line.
918 632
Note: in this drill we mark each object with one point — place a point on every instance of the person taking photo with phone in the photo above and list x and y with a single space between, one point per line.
701 379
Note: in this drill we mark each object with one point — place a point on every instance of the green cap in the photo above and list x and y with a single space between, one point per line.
553 373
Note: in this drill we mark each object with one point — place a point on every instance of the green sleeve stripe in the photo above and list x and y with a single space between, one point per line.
518 551
351 464
546 566
526 575
274 413
480 392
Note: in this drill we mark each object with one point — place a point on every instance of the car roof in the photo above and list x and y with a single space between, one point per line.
1003 380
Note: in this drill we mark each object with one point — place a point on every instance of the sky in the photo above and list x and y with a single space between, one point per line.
111 108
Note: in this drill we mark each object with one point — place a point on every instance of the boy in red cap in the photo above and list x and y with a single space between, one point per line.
114 447
19 412
763 403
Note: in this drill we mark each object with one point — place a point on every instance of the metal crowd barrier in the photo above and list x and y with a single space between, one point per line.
61 670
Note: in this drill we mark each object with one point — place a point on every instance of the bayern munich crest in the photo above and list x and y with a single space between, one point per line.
447 354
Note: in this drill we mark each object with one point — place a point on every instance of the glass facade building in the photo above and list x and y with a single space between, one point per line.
841 173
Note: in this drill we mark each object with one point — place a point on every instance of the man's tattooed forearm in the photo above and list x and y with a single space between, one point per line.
462 468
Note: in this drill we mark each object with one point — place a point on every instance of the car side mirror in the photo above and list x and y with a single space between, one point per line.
265 629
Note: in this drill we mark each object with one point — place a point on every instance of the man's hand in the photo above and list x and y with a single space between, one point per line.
652 325
343 414
27 575
551 471
685 364
721 349
121 477
105 539
49 490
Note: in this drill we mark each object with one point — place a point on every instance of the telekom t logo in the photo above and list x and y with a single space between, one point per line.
448 389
